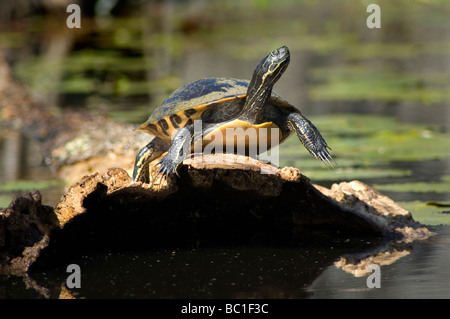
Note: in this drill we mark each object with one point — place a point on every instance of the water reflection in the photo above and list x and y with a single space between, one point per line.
423 273
249 271
13 155
22 169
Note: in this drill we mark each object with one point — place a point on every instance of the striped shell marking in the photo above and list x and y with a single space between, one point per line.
189 102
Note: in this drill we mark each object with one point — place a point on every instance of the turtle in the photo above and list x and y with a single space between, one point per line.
220 103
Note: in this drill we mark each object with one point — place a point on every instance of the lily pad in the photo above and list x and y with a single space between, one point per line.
373 140
418 187
428 214
4 201
27 185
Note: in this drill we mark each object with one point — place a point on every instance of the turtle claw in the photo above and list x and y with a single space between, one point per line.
167 167
325 157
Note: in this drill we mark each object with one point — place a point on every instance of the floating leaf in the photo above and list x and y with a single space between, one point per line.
27 185
417 187
426 214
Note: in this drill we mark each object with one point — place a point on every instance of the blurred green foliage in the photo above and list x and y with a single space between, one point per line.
125 66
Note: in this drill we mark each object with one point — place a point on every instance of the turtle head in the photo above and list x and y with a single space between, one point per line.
270 69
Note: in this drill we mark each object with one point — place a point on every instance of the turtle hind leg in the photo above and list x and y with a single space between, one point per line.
310 137
145 156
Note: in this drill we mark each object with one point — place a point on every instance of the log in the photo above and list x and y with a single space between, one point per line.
234 201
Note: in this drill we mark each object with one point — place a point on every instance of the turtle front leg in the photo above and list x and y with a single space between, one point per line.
145 156
181 145
310 137
179 149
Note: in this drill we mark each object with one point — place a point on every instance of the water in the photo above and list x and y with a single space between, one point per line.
249 271
379 96
423 273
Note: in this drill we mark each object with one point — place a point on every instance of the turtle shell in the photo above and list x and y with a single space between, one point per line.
212 100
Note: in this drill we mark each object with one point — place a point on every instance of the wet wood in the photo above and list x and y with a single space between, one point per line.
221 202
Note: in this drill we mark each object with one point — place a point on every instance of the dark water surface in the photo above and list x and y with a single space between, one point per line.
262 271
423 273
